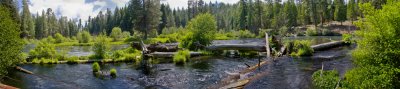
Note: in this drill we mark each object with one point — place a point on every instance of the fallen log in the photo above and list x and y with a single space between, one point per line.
158 47
23 70
171 54
328 45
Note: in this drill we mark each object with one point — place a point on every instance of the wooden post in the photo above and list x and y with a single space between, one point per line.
267 46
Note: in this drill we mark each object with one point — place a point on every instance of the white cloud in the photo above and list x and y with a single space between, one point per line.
85 8
75 8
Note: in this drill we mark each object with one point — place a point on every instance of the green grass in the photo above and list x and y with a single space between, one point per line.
302 48
181 57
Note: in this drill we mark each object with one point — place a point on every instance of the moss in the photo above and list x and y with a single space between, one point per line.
347 38
113 72
96 67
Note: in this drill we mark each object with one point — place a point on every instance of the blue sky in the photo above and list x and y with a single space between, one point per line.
85 8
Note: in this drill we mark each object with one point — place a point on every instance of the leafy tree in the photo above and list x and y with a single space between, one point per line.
84 37
10 42
116 34
376 56
59 38
202 28
101 47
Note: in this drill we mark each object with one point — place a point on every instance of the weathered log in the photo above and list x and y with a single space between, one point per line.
171 54
267 48
23 70
158 47
328 45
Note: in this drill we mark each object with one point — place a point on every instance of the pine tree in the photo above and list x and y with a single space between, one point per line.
351 10
243 14
27 27
340 11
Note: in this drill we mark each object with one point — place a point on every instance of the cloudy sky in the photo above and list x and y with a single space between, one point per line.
85 8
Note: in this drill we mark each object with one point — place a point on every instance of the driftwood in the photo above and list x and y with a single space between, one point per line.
23 70
328 45
158 47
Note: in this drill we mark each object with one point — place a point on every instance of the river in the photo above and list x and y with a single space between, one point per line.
198 73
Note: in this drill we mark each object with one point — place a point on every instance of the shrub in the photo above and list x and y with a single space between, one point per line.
43 50
283 31
96 67
116 34
72 60
328 79
113 72
347 38
83 37
59 38
181 57
311 32
101 47
302 48
203 29
378 50
245 34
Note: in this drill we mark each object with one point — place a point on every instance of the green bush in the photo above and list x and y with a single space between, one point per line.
328 79
43 50
83 37
128 54
245 34
371 77
347 38
181 57
59 38
378 51
73 60
312 32
302 48
203 29
283 31
116 34
113 72
101 47
96 67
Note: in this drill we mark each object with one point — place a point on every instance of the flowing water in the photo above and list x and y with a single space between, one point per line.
198 73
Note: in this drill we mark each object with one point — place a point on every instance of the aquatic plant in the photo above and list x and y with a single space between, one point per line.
96 67
113 72
302 48
181 57
72 60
